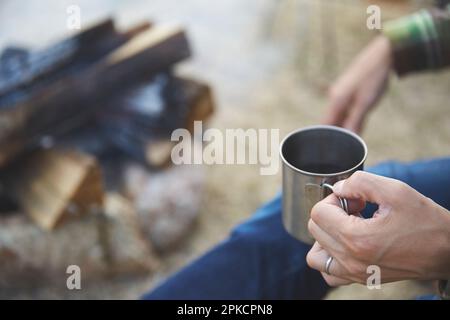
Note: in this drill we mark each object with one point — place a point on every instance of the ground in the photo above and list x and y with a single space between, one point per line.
269 63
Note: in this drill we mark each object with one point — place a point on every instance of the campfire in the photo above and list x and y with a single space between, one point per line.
85 151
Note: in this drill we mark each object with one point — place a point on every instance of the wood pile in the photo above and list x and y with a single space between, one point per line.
74 118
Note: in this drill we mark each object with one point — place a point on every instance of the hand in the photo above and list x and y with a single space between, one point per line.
408 237
353 95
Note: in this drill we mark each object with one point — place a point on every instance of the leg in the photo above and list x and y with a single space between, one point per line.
258 261
261 261
430 177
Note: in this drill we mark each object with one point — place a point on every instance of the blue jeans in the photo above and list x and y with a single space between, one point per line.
260 260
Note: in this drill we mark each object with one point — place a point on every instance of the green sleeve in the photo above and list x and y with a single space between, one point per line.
420 41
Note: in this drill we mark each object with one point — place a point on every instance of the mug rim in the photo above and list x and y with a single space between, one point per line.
327 127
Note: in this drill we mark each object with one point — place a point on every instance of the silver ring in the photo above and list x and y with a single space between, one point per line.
328 265
343 202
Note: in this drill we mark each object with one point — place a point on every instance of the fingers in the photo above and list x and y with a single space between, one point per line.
344 109
332 219
326 240
333 281
317 258
355 119
349 115
360 86
335 116
340 97
368 187
355 206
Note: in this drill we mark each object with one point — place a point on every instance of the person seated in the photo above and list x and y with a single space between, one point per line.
406 233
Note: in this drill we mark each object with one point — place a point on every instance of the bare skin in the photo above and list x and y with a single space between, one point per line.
409 236
360 87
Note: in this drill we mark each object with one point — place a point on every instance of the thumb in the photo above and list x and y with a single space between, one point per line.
366 186
355 119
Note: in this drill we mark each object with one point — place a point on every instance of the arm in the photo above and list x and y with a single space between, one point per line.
420 41
413 43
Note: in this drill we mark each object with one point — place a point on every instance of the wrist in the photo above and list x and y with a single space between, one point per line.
444 282
384 50
386 45
443 245
419 41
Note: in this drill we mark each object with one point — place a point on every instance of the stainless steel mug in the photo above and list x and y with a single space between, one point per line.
314 158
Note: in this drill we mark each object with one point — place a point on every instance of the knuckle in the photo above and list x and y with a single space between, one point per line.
316 210
357 248
331 282
346 233
355 268
310 225
350 231
357 181
357 177
424 202
399 188
310 259
361 247
335 94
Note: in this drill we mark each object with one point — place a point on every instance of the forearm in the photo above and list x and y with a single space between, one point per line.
444 283
420 41
444 243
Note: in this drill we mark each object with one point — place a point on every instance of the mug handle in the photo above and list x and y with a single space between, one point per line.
343 201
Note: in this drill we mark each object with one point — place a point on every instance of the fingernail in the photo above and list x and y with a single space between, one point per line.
338 186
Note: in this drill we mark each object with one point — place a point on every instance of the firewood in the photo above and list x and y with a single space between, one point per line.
53 185
141 122
118 208
22 72
202 104
158 152
70 101
20 68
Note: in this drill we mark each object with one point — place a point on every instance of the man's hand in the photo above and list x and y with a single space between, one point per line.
360 87
408 237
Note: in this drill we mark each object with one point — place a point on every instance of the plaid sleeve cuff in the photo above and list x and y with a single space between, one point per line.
420 41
